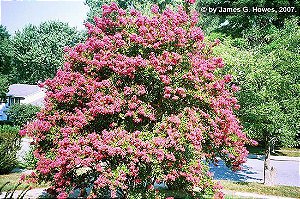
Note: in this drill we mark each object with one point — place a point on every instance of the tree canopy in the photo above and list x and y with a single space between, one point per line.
4 87
143 5
269 79
250 23
140 101
38 50
5 62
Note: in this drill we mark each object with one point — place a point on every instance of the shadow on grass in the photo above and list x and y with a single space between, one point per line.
241 183
278 153
10 192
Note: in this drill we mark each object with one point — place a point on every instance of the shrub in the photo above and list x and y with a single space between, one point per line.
30 160
139 102
20 114
9 146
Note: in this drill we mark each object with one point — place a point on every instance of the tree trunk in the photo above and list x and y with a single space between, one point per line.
269 171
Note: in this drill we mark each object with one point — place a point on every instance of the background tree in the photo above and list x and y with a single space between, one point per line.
5 62
143 6
4 88
269 79
5 51
253 26
38 50
271 96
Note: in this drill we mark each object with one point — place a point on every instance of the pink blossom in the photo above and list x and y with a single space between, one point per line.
235 88
191 1
127 90
228 78
175 98
165 79
139 94
62 195
141 90
155 9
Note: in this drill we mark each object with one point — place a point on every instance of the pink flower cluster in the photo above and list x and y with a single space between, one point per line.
138 102
191 1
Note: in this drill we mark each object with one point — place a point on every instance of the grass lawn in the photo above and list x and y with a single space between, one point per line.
284 191
290 152
251 187
13 178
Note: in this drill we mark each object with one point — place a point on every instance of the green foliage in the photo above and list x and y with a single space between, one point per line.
11 192
5 51
3 33
252 25
38 50
5 62
142 5
20 114
9 146
270 90
3 88
30 160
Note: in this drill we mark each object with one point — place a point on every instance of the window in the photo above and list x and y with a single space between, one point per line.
17 100
13 100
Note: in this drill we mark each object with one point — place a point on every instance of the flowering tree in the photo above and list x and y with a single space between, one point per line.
139 102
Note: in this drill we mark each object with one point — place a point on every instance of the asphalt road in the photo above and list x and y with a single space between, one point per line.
287 170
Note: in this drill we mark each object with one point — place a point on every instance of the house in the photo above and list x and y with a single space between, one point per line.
22 94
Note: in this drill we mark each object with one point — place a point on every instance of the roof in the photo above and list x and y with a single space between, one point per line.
23 90
38 102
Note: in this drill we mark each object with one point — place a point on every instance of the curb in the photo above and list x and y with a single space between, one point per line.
276 158
237 194
285 158
35 193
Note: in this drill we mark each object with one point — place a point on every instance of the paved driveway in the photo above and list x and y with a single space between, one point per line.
287 170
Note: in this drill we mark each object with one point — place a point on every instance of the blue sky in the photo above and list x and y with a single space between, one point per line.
16 14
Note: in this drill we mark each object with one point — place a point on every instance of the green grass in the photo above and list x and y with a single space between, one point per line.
13 178
251 187
290 152
284 191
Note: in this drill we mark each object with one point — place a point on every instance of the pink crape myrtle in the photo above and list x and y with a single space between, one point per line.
139 103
